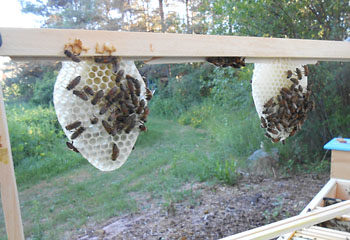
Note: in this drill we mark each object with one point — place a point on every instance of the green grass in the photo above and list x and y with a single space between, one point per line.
166 158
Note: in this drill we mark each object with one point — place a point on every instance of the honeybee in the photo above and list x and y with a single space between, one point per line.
104 108
135 100
275 140
267 135
307 95
130 106
116 66
122 88
141 106
279 98
88 90
145 80
149 94
286 91
144 114
138 91
263 122
284 123
294 80
300 88
143 128
124 108
239 62
97 97
126 95
127 76
130 85
300 75
73 125
306 70
80 94
94 120
105 59
109 96
142 103
71 56
267 111
289 73
139 110
278 127
72 84
136 83
115 152
77 133
71 146
108 128
122 119
130 119
269 103
272 131
119 75
130 126
293 132
119 96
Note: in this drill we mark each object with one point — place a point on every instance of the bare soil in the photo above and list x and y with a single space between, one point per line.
217 211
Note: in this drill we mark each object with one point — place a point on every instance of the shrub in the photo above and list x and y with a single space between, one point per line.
33 131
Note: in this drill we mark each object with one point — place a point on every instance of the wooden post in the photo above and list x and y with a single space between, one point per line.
9 194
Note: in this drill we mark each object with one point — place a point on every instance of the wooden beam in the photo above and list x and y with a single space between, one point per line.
49 43
9 194
322 233
291 224
328 190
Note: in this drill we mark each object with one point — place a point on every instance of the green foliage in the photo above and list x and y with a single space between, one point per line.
183 90
30 82
196 115
37 143
43 89
227 171
230 88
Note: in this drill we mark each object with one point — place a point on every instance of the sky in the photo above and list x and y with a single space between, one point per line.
11 16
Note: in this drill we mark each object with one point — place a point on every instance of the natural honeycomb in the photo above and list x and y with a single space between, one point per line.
95 144
268 81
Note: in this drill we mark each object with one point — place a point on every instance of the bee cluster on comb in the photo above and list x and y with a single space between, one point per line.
288 111
281 97
235 62
101 105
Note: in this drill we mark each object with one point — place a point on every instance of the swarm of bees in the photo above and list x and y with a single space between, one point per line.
121 108
236 62
287 112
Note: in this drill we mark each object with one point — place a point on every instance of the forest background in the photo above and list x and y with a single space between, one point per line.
217 101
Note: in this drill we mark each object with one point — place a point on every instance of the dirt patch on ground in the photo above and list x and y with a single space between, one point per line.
217 212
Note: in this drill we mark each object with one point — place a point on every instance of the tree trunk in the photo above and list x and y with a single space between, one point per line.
188 28
161 12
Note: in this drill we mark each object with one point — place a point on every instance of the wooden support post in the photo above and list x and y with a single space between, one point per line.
9 194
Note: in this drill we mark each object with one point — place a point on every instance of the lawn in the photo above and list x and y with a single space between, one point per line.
165 158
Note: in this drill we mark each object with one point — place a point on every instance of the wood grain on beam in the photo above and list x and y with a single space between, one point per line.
39 43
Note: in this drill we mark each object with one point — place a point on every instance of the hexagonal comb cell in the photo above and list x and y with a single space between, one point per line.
94 142
280 104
